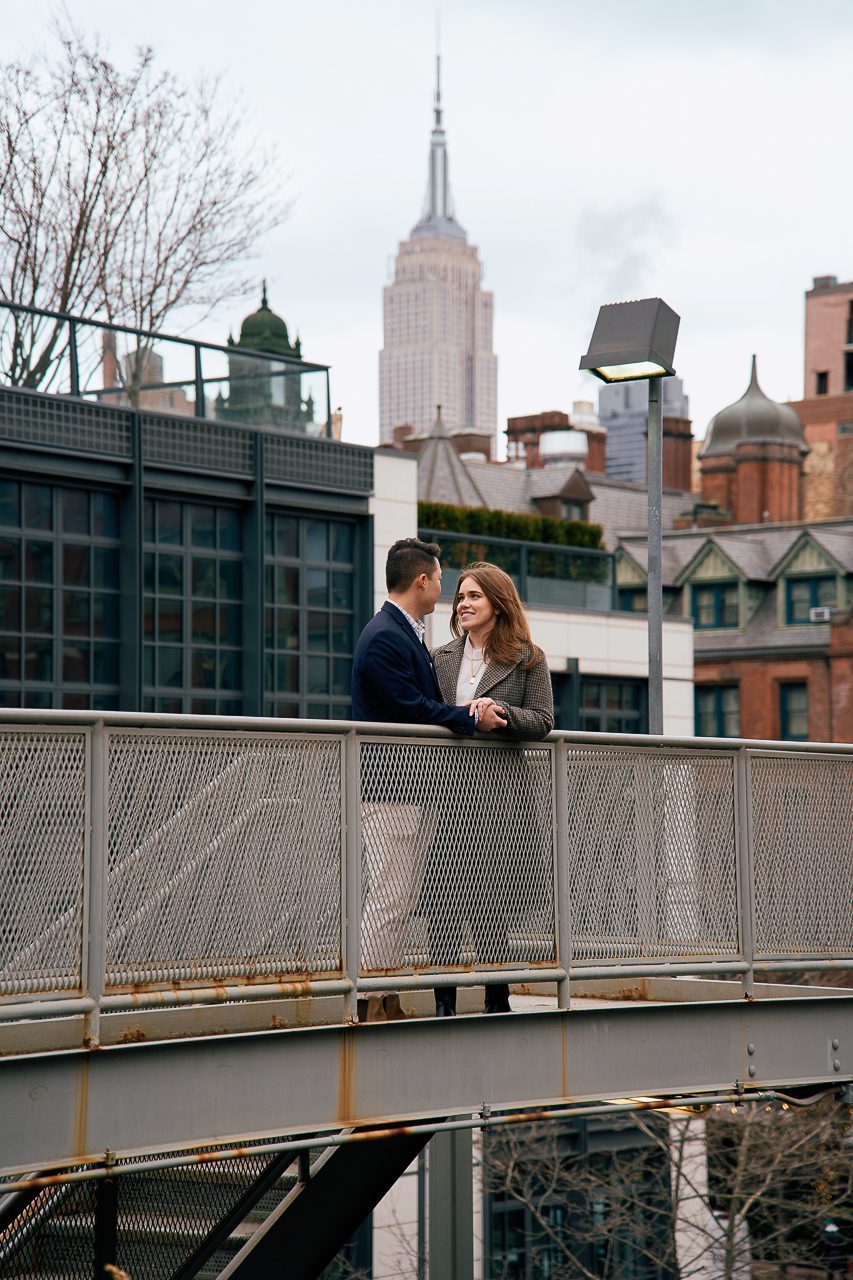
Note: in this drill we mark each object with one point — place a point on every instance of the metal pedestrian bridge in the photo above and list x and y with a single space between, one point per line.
182 943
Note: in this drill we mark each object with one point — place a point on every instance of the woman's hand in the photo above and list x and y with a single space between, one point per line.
480 705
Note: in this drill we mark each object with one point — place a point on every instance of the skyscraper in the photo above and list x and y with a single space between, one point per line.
623 408
437 319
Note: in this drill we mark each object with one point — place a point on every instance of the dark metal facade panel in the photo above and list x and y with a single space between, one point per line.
179 443
60 1108
32 417
326 464
188 442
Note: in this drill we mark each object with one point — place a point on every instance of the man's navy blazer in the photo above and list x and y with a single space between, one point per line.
393 678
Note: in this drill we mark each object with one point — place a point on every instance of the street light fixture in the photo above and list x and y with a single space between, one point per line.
635 341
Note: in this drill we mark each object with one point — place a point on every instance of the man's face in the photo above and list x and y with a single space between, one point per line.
432 591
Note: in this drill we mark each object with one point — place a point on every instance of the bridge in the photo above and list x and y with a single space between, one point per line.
181 947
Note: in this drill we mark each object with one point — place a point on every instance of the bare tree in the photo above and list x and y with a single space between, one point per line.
697 1198
123 195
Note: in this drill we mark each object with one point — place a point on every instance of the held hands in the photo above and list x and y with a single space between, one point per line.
490 715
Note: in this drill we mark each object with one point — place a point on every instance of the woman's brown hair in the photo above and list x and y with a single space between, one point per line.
510 635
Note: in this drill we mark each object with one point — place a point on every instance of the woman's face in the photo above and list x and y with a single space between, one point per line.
473 608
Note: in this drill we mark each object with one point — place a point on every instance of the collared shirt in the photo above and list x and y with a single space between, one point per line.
419 627
417 624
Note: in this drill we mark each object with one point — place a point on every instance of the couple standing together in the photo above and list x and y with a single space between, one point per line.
490 679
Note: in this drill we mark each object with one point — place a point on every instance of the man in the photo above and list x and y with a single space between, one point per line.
394 681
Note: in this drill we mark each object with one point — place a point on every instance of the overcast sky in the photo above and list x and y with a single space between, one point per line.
598 151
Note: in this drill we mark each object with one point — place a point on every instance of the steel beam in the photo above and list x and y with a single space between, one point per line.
451 1205
63 1107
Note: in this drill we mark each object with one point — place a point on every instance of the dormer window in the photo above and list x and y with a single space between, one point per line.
715 606
633 599
804 594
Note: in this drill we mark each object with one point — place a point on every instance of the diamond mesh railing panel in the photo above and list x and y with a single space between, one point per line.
224 857
42 848
802 820
54 1238
652 867
163 1216
457 865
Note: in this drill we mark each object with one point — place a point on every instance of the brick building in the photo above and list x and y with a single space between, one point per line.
772 608
525 435
826 409
752 460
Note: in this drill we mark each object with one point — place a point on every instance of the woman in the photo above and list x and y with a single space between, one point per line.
493 660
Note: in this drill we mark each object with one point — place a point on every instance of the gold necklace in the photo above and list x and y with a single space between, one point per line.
475 671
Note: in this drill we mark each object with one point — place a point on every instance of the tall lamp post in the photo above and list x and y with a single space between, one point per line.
635 341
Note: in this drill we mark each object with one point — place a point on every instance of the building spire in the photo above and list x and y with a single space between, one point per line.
438 188
437 217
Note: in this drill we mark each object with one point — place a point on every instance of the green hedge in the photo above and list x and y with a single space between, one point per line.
441 516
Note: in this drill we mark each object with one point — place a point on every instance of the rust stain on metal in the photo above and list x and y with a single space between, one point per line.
81 1109
233 1153
346 1076
640 993
132 1035
298 989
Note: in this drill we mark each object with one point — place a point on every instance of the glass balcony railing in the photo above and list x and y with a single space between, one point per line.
547 576
116 365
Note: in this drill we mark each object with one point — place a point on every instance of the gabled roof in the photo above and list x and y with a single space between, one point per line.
549 482
750 556
672 558
504 487
838 544
569 483
758 553
442 475
709 545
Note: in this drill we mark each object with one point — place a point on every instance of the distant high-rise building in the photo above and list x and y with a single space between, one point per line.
437 319
623 409
826 409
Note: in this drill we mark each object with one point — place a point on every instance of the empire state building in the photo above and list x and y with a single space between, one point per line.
437 319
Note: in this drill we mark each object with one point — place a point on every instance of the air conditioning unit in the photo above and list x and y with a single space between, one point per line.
821 613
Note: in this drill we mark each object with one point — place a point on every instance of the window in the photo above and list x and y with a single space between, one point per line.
309 616
848 371
804 594
614 706
850 323
633 599
715 606
59 597
572 510
821 382
612 1222
718 711
193 608
794 712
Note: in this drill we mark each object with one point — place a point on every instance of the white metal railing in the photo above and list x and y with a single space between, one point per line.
156 860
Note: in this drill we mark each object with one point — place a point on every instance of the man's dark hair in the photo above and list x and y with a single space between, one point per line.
406 559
